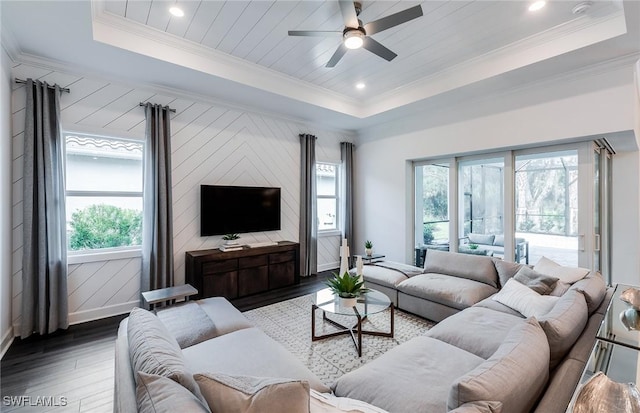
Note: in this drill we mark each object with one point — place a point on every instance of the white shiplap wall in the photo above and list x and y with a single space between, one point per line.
211 143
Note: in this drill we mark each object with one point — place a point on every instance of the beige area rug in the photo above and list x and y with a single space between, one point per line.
289 323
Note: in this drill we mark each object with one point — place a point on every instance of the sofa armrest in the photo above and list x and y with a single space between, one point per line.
124 395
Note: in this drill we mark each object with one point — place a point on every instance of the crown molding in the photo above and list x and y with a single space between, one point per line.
575 34
75 70
138 38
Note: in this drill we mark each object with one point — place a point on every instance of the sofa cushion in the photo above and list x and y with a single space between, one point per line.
566 274
479 407
413 377
506 270
188 323
383 275
498 241
157 394
153 350
593 288
524 300
564 324
250 394
540 283
484 239
224 315
454 292
235 354
523 354
477 330
467 266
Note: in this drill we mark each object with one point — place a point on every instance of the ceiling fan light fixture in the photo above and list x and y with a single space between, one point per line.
353 39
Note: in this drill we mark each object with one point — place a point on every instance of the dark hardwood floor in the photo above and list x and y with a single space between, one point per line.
73 370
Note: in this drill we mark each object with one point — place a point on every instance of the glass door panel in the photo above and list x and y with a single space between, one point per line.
546 205
432 208
481 207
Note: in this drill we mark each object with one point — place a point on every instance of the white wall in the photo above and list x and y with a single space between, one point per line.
6 332
550 113
212 143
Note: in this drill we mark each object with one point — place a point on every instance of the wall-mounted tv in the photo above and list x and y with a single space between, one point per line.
238 209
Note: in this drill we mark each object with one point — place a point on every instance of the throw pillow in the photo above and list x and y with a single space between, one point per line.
564 324
253 394
157 394
479 407
540 283
154 351
329 403
199 328
506 269
593 288
560 288
565 274
525 351
524 300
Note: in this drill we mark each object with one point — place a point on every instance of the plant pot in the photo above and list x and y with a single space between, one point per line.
368 251
347 302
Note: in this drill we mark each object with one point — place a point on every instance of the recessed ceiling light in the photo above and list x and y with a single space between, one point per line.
535 6
176 11
360 85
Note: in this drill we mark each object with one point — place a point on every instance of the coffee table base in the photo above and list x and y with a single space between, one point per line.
355 331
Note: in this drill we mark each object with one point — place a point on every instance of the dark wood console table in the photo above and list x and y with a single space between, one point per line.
237 274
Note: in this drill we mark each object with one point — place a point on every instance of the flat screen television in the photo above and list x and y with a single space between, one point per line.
238 209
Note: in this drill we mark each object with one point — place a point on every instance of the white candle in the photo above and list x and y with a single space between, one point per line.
359 265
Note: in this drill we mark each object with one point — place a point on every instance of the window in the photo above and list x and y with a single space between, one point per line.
103 193
327 178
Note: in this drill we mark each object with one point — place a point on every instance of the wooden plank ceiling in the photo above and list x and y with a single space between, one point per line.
449 33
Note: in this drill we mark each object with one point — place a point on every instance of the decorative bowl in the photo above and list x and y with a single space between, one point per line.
630 319
631 296
601 394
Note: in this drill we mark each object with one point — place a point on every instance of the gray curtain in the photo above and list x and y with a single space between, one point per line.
157 225
44 259
308 214
346 155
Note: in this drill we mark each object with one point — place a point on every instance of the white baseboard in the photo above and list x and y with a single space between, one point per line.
102 312
329 266
7 339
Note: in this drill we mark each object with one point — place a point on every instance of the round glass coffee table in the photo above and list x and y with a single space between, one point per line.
371 302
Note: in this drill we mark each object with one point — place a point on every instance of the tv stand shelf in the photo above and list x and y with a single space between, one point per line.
237 274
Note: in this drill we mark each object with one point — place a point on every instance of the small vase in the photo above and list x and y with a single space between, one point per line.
368 251
347 302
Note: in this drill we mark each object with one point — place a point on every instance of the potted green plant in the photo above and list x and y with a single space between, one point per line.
473 246
231 239
347 287
368 248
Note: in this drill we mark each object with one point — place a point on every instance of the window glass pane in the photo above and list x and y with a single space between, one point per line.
326 176
103 222
327 208
434 199
101 164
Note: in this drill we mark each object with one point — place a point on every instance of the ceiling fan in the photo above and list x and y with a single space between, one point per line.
355 35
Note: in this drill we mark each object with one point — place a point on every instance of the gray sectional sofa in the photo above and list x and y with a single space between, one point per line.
482 356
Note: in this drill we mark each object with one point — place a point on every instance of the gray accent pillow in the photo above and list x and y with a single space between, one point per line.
153 350
253 394
479 407
564 324
525 351
484 239
506 270
157 394
540 283
188 323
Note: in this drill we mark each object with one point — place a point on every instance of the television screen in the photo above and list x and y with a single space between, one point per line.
238 209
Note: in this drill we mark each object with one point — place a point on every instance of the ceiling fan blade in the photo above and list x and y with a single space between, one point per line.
318 33
378 49
349 13
392 20
337 56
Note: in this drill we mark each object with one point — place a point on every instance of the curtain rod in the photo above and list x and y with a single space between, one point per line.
62 89
170 110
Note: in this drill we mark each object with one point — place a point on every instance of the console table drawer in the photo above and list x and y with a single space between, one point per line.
278 257
212 267
249 262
